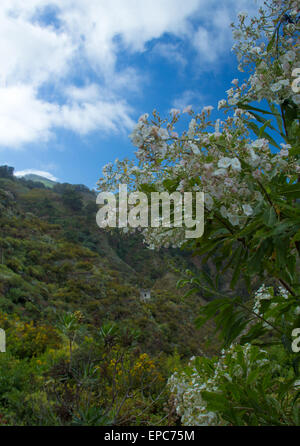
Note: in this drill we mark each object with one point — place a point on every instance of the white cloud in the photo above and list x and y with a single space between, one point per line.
188 97
86 40
90 108
99 115
213 37
42 173
30 53
23 117
134 22
171 52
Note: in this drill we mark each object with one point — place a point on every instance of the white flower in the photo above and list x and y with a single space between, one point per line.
234 100
220 172
208 109
286 146
224 162
237 34
247 210
238 112
223 211
254 158
285 82
144 117
296 99
217 126
234 219
187 109
276 87
136 137
208 202
242 15
192 128
258 143
163 133
284 153
268 167
255 50
289 56
195 148
222 104
235 164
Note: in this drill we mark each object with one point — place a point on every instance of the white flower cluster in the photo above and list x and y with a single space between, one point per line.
267 294
201 161
190 405
272 65
263 293
236 362
222 158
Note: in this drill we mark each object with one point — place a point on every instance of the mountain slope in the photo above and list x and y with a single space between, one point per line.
39 179
54 258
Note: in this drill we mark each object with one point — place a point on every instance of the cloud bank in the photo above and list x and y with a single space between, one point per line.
41 173
60 59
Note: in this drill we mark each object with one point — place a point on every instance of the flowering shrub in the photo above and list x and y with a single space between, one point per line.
26 339
267 301
107 384
243 387
248 166
239 174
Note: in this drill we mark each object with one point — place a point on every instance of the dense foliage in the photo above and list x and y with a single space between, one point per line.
82 348
248 167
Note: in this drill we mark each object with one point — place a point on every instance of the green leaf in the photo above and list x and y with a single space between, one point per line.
286 343
215 401
282 249
272 41
249 108
291 190
296 363
263 128
255 332
295 150
256 130
270 217
237 271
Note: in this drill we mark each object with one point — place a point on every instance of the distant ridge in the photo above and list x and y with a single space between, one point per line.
40 179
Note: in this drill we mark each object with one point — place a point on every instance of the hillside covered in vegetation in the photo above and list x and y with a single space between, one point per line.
79 336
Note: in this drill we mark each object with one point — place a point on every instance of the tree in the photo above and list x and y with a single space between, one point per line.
248 167
73 200
6 172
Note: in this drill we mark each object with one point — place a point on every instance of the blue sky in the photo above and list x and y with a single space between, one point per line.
77 74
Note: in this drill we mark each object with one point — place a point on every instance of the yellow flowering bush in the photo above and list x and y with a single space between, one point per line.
25 339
